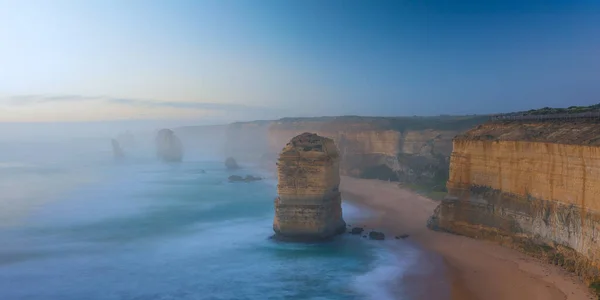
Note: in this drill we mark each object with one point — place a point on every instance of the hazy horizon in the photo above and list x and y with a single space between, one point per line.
178 63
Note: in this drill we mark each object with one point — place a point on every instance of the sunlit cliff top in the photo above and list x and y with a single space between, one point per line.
310 143
381 123
582 131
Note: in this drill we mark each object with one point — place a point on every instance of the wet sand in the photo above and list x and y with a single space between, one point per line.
475 269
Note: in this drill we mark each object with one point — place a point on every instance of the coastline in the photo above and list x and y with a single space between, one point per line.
475 270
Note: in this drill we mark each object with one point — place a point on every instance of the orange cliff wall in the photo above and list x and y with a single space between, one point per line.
409 149
531 186
372 147
569 174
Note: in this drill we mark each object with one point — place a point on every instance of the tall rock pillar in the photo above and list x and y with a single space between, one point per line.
309 203
168 146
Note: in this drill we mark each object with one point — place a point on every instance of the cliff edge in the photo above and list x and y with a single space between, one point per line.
529 185
407 149
308 206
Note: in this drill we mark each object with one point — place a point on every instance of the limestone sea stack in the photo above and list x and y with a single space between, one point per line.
168 146
117 150
309 203
231 164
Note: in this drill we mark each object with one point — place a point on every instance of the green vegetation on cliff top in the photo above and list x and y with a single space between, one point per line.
442 122
552 110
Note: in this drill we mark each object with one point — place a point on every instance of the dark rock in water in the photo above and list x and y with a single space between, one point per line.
403 236
236 178
231 164
168 146
248 178
117 150
252 178
364 236
357 230
376 235
308 239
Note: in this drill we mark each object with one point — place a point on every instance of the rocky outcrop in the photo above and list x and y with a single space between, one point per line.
117 150
376 235
231 164
308 206
357 230
531 186
168 146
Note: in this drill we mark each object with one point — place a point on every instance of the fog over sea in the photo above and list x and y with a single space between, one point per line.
75 224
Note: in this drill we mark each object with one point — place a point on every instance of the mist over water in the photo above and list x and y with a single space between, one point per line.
76 224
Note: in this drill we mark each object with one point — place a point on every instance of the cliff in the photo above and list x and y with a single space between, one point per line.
408 149
531 186
308 206
168 146
415 150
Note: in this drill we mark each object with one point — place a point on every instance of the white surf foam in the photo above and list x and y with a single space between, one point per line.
381 281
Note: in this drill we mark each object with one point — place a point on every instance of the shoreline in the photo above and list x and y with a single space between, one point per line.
474 269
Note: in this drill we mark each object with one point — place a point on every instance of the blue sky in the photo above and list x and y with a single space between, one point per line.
225 60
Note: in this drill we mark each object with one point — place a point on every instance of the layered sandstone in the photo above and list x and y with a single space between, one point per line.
168 146
308 205
533 186
409 149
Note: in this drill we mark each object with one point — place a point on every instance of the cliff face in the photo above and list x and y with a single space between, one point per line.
412 150
409 149
309 203
532 186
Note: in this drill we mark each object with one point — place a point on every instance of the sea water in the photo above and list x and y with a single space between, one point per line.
78 225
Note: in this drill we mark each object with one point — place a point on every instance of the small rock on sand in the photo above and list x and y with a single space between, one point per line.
356 230
376 235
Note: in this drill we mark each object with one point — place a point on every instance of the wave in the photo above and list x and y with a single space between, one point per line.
390 265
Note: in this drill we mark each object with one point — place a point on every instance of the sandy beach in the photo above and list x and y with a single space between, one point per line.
476 269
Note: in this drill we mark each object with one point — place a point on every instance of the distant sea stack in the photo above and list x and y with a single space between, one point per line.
168 146
117 150
309 205
231 164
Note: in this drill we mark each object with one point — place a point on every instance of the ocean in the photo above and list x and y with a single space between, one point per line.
75 224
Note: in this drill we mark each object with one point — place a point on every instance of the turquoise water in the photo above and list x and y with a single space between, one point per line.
141 229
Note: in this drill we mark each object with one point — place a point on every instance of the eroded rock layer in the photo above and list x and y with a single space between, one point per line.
516 183
168 146
308 206
414 150
408 149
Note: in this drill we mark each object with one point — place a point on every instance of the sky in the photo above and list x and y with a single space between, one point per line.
201 62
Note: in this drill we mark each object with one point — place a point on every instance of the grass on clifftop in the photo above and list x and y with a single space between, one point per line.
456 123
568 110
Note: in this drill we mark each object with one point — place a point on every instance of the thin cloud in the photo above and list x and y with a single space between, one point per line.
25 100
183 105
